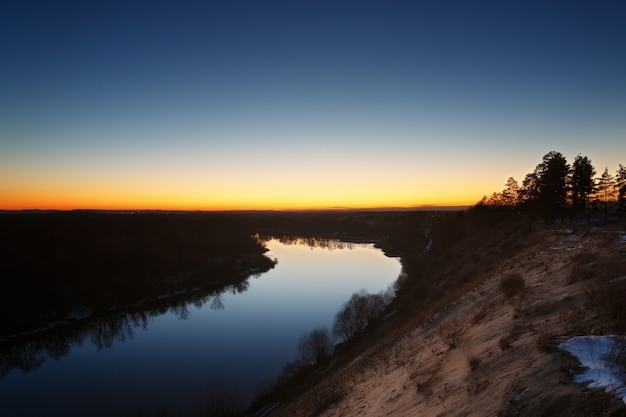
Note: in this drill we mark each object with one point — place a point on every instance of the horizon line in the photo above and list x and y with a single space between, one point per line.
423 207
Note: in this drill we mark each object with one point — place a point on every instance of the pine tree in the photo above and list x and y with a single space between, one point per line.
553 176
510 194
606 191
620 185
581 184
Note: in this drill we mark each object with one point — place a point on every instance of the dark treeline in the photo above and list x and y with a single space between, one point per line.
388 230
57 265
559 190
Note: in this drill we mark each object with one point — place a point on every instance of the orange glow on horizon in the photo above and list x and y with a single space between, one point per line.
257 193
77 203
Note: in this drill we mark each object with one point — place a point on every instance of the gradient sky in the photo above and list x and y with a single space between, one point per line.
300 104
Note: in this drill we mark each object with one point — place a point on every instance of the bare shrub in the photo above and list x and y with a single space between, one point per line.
617 353
451 333
326 397
483 311
512 285
472 360
289 372
475 386
504 342
356 313
315 346
572 321
609 298
582 267
422 374
544 340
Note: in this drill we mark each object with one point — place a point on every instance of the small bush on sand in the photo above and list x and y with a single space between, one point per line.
582 267
423 373
504 342
512 285
451 333
473 361
544 339
572 321
326 398
609 298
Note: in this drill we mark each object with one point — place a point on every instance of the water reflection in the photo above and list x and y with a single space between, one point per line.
29 352
311 242
192 338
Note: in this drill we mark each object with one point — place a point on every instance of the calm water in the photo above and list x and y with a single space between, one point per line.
178 359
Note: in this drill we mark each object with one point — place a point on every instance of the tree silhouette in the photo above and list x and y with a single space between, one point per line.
553 175
529 193
510 194
507 198
315 346
606 190
356 313
581 184
552 188
620 185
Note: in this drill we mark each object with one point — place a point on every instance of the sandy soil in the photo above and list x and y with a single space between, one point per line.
486 355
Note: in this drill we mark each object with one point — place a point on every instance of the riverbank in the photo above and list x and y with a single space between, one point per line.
471 348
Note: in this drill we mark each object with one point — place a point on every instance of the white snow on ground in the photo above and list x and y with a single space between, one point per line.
597 354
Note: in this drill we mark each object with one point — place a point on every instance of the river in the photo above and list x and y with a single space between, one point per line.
174 362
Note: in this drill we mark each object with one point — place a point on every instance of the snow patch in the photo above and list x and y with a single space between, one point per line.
599 354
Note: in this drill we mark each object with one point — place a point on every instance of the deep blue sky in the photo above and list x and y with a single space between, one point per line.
301 103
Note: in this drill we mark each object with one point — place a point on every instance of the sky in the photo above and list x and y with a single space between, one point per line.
221 105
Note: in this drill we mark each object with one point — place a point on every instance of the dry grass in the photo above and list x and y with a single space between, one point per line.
422 374
484 311
473 360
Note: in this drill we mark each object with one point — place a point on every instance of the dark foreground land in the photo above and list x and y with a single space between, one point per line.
88 272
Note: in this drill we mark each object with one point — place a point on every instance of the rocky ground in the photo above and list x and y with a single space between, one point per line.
493 351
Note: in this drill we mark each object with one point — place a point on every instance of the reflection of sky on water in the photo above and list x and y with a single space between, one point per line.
175 362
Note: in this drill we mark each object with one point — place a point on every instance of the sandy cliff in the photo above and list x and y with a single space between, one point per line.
486 353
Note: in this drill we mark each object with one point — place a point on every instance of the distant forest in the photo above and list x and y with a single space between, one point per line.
558 190
57 263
